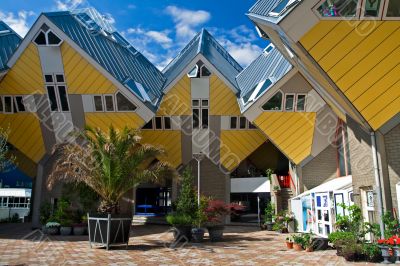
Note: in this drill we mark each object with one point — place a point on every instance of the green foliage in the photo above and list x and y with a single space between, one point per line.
269 173
371 251
179 219
269 212
186 203
303 239
63 214
201 215
338 238
45 212
82 194
351 222
110 163
391 225
7 160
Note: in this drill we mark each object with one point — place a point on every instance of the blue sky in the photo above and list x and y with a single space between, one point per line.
157 28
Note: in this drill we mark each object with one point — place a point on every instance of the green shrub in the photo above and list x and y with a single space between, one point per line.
371 251
269 212
179 219
186 203
336 238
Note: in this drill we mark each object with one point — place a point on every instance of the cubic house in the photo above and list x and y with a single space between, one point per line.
348 51
319 106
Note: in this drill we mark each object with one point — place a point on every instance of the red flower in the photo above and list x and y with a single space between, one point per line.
381 241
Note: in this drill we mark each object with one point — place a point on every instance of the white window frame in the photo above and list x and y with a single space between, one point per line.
305 102
356 17
294 102
12 104
230 124
114 103
201 71
16 104
201 107
94 103
56 84
152 125
47 40
380 15
385 9
163 122
282 102
59 100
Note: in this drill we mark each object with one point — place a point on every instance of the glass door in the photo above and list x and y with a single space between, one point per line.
324 219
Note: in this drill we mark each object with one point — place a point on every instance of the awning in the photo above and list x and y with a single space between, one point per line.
15 192
331 185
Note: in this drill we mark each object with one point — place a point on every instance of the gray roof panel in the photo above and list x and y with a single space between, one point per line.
263 7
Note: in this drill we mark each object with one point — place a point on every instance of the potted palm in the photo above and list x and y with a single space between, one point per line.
186 209
111 164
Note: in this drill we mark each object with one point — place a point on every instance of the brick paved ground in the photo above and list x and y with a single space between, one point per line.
149 245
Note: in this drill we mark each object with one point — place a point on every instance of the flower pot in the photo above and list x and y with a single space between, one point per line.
396 253
385 254
309 249
65 230
182 233
52 230
109 229
79 230
198 235
289 245
297 247
269 226
216 233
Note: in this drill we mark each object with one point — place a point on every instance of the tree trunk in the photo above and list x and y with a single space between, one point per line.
108 207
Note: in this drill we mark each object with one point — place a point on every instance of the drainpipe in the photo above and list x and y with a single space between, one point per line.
377 183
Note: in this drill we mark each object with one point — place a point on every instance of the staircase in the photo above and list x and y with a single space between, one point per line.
286 194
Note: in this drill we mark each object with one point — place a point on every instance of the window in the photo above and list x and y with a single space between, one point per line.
167 122
47 38
257 90
194 73
20 103
57 92
301 103
109 102
200 113
343 155
59 78
48 78
1 104
148 125
242 122
62 92
393 8
275 103
159 122
282 6
52 98
252 126
338 8
205 72
289 102
269 48
371 8
124 104
98 103
233 124
8 105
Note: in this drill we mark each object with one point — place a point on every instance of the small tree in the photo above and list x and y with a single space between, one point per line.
187 200
6 159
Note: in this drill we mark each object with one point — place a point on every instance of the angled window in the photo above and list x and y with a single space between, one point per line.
98 103
289 102
269 48
205 72
252 126
301 103
275 103
40 38
148 125
194 73
233 122
167 122
20 104
257 90
109 103
282 7
393 8
338 8
52 98
8 105
124 104
52 39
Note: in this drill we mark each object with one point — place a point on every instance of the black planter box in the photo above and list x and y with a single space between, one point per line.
106 230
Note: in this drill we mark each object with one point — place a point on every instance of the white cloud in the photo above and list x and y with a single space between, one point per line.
131 6
148 36
68 4
18 22
245 53
160 37
187 20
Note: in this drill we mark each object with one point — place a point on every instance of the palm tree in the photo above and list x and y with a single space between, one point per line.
110 164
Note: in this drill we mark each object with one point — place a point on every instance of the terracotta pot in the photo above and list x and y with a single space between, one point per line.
289 245
309 249
297 247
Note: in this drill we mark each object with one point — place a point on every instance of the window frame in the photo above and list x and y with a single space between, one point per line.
201 107
155 123
381 10
384 12
56 86
152 125
305 102
201 71
94 103
16 103
170 122
47 39
113 101
294 102
4 104
282 102
236 123
357 15
124 111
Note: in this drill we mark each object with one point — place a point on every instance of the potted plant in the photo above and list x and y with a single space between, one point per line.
298 242
339 238
308 242
65 227
352 250
111 164
201 217
386 248
269 211
215 213
52 228
62 215
45 214
182 226
289 242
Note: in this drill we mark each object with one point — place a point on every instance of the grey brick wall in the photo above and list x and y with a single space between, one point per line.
392 145
320 169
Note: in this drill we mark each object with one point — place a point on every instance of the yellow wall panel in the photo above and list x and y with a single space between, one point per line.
291 132
117 119
178 99
237 145
25 134
25 77
169 140
364 64
81 76
223 100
